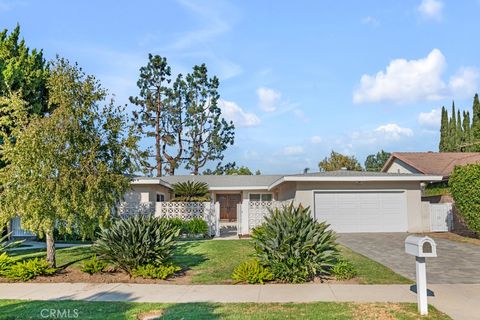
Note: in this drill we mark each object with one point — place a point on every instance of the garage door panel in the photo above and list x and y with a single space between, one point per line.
364 211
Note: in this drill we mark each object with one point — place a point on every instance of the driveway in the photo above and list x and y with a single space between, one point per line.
456 262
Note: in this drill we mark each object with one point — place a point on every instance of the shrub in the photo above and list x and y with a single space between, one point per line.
29 269
344 270
465 189
179 223
294 245
252 271
155 272
190 191
5 263
136 241
197 226
93 265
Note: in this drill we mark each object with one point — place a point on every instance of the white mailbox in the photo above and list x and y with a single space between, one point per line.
420 246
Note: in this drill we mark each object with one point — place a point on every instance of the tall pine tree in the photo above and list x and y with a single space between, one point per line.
442 147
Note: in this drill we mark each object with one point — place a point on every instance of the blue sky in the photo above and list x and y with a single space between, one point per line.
299 78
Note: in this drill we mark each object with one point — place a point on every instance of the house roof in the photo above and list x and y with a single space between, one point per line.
434 163
347 175
232 182
268 182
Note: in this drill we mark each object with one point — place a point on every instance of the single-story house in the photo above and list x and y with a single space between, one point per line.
350 201
429 163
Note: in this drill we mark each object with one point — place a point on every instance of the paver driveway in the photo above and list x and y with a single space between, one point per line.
456 262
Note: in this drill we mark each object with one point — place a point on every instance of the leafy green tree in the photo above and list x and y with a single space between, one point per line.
444 131
337 161
23 76
375 162
231 169
209 134
475 134
465 188
68 170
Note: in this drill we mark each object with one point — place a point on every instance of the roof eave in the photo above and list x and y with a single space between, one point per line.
419 178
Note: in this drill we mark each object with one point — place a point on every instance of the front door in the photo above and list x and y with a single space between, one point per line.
228 206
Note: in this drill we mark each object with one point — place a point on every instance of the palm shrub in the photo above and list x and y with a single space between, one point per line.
135 241
295 246
190 191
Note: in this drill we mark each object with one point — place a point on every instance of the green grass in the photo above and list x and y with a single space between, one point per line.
372 272
212 261
18 309
72 256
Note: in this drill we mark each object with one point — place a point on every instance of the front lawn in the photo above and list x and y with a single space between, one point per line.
18 309
208 262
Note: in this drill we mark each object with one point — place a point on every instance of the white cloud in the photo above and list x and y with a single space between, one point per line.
293 150
268 99
235 113
431 9
393 131
369 20
430 119
404 81
316 139
465 82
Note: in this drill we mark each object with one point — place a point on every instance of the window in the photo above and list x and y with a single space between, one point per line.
160 197
260 197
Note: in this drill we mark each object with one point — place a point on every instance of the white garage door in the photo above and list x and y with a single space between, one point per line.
369 211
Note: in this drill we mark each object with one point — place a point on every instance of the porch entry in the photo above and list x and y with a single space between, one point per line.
228 206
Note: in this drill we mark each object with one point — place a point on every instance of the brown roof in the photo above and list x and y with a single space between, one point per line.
435 163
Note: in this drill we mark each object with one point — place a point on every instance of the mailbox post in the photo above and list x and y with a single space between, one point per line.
421 247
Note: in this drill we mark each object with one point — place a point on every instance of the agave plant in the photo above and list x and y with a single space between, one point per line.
191 191
6 244
136 241
294 245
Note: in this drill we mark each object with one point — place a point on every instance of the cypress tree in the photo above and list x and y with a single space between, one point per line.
442 147
475 133
452 131
460 137
466 132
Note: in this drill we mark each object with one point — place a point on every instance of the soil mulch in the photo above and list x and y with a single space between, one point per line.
74 275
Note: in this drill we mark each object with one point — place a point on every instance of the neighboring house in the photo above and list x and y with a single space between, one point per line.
435 163
430 163
350 201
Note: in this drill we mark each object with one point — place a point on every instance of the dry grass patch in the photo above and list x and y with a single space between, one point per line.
392 311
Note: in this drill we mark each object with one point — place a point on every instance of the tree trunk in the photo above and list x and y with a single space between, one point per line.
50 249
158 140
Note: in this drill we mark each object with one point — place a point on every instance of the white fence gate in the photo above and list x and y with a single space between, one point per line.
441 217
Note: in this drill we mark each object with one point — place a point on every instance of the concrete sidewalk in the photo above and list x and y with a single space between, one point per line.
458 301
